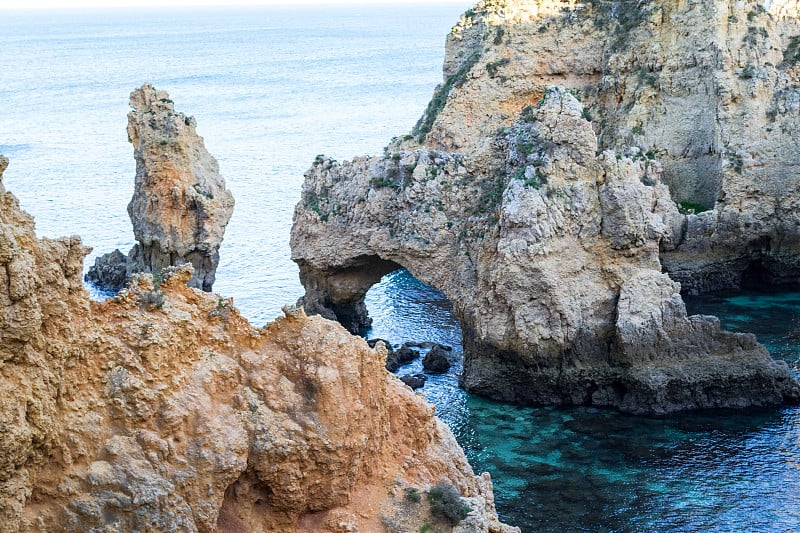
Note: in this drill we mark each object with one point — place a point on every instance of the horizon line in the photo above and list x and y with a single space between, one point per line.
55 5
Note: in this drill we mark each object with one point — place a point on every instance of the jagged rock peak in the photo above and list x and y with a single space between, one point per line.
162 409
180 206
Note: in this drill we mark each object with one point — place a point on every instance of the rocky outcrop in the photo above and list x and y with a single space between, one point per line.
400 357
710 88
415 381
436 361
162 409
180 206
548 248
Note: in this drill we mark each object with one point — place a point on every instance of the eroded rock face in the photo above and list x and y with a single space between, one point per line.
711 88
180 206
162 409
549 253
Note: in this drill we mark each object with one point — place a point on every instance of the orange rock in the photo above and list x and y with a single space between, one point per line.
163 409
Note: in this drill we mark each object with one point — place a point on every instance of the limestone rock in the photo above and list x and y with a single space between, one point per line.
711 88
180 206
536 239
162 409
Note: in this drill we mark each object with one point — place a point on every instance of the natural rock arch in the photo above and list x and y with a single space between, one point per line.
337 293
550 256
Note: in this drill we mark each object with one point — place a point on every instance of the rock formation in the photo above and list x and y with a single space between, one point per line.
162 409
436 361
711 88
548 248
180 206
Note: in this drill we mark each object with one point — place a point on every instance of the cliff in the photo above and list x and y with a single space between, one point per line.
162 409
710 88
180 206
546 214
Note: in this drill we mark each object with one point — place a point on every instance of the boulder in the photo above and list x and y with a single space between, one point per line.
436 361
415 381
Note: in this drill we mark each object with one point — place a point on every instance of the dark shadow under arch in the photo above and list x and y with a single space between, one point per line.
338 293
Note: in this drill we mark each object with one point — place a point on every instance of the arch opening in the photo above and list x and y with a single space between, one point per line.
418 320
338 293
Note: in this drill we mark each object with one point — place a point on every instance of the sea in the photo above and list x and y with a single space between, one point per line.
271 88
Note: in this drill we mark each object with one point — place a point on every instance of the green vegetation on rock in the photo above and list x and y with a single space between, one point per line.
446 503
688 208
435 106
792 53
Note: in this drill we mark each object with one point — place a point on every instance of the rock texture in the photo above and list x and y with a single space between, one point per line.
548 249
162 409
711 88
436 361
180 206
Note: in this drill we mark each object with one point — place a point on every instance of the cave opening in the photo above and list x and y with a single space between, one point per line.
338 293
245 499
756 276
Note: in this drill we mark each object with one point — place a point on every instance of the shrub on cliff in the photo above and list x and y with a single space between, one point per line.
151 300
446 503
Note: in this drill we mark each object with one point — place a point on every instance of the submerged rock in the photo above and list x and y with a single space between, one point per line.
157 410
401 356
180 206
415 381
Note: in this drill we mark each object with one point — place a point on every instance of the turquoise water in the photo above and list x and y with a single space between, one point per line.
585 469
270 89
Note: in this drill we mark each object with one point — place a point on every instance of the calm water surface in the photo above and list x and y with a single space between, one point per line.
585 469
270 89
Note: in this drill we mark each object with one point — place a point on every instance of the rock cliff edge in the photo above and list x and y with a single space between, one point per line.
162 409
558 169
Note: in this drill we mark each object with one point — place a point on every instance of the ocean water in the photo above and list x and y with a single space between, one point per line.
271 88
593 470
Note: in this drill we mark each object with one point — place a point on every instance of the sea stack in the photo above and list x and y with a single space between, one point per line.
162 409
180 206
548 186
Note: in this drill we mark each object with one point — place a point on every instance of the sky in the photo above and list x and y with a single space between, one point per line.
71 4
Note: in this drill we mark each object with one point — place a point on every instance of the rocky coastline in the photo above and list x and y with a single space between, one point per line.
162 409
562 197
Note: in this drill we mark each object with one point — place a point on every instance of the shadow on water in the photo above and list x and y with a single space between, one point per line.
587 469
